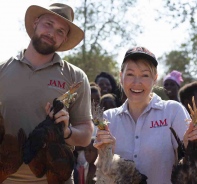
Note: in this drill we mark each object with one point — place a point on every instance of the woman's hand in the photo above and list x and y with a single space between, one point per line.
104 137
190 134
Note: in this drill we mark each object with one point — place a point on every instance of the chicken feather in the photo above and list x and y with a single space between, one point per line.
45 150
111 168
11 154
185 172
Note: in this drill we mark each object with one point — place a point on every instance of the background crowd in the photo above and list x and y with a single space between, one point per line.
107 92
136 114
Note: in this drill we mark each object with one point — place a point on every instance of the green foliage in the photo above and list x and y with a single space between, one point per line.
95 63
179 60
105 24
180 11
160 92
177 12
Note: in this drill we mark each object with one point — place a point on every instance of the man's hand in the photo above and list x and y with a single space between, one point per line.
61 116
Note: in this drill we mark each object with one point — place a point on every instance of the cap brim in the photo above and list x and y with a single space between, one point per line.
75 33
134 55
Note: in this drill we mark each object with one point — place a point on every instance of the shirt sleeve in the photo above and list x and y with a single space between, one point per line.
80 110
180 124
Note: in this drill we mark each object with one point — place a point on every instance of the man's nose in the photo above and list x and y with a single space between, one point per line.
51 33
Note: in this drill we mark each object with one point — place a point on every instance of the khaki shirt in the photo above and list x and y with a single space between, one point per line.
25 92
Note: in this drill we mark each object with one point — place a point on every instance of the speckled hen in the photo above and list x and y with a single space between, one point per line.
185 172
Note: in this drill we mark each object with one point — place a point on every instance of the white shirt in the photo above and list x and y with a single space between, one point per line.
149 142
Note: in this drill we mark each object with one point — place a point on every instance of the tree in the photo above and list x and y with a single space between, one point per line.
105 24
180 11
191 47
178 60
95 63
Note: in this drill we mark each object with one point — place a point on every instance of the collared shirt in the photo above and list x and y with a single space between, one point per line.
149 142
25 91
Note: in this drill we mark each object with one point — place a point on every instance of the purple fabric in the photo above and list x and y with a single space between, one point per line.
175 76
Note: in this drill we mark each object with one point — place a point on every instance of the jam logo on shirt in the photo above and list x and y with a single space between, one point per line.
159 123
57 84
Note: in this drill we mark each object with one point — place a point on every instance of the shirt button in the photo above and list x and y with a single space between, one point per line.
136 137
135 156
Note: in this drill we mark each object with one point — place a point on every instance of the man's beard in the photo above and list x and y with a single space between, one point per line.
42 47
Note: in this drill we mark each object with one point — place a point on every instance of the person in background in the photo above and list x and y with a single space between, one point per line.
139 129
187 92
85 170
31 80
95 93
95 98
80 163
91 153
108 84
108 101
171 84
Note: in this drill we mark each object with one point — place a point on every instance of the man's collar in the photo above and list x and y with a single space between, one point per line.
56 58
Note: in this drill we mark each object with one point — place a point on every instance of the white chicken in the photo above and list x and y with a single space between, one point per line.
111 168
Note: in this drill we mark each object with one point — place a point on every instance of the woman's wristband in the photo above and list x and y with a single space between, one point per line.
69 133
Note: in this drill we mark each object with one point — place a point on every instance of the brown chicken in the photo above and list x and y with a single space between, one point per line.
60 163
10 151
45 151
56 160
111 168
185 172
38 163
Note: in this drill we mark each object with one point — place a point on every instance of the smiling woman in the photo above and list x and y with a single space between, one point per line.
137 82
138 76
139 129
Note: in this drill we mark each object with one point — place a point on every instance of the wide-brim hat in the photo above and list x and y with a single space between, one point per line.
140 52
64 12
